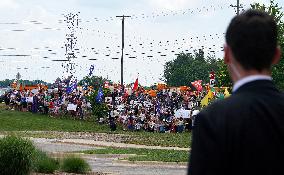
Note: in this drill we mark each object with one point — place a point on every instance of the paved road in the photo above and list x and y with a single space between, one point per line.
109 163
112 166
53 146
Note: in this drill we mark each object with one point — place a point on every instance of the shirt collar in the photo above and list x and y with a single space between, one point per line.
248 79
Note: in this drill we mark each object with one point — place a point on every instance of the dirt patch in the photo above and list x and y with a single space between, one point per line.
107 137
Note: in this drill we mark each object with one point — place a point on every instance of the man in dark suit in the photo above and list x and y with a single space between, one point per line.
244 134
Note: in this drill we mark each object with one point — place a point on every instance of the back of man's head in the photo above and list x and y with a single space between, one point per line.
252 37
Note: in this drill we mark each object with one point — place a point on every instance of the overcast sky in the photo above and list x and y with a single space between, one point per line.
33 33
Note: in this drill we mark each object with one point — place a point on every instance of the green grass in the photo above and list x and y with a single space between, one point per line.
26 121
142 154
75 165
181 140
44 164
13 121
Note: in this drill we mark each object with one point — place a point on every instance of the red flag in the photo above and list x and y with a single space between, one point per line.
197 85
135 87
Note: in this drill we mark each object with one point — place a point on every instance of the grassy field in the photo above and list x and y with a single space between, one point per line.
145 154
25 121
161 139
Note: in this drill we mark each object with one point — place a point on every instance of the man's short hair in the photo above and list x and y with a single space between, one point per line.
252 37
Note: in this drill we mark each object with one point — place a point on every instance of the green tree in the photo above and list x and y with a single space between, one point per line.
277 12
5 83
187 68
99 110
222 75
95 81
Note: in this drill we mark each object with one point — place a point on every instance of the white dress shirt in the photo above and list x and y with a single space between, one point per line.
248 79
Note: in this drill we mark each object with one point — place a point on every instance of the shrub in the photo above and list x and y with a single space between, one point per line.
16 155
44 164
100 110
75 165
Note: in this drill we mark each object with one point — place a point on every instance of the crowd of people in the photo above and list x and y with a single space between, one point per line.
54 103
141 111
134 112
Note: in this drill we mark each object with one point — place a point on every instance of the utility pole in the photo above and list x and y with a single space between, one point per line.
122 47
238 6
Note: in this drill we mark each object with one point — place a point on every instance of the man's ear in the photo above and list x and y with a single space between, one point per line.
227 53
277 56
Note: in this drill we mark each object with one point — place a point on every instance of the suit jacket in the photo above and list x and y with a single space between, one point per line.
243 134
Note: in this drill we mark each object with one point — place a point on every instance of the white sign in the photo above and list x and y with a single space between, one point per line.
136 102
147 104
182 113
34 91
29 99
71 107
